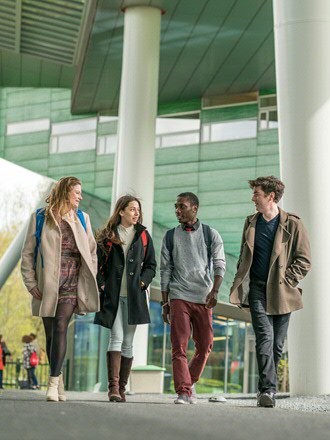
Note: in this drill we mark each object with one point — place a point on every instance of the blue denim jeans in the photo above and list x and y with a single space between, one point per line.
33 381
270 332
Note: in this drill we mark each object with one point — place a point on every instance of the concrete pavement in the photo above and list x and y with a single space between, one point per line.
89 416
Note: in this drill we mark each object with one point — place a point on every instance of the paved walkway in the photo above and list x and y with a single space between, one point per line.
89 416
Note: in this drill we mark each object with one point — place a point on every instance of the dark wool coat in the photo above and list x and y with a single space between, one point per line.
289 263
139 267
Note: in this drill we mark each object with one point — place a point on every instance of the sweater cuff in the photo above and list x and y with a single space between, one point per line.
219 271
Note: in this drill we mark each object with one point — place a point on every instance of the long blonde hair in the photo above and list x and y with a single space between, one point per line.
107 232
58 200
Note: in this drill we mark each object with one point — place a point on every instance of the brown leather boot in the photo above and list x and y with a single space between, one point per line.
113 364
125 369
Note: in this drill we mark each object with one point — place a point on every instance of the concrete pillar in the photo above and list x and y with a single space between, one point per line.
135 158
302 35
138 107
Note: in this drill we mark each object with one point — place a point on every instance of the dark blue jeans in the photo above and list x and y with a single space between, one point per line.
270 332
33 381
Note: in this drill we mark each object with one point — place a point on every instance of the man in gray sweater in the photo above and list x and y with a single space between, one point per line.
189 293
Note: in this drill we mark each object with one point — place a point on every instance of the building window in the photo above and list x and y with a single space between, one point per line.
231 130
73 136
28 126
174 132
107 144
268 112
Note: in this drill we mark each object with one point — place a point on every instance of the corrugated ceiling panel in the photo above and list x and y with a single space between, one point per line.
7 24
50 29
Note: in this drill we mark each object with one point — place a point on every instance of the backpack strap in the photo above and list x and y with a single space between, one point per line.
208 241
169 242
144 239
40 220
81 218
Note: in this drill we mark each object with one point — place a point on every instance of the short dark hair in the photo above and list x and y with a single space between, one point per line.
191 197
26 339
269 184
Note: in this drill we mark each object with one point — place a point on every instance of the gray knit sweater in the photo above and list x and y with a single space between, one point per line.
189 277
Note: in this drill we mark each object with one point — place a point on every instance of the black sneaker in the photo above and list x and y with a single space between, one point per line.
266 399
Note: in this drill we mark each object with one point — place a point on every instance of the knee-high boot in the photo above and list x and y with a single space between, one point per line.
125 369
113 364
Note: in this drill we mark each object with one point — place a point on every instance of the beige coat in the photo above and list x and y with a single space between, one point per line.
289 263
47 277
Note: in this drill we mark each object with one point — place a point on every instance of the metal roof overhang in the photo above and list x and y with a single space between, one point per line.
208 48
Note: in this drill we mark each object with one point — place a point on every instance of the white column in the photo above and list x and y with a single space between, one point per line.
138 107
302 36
135 161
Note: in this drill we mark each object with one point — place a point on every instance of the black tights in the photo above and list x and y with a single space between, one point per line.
56 329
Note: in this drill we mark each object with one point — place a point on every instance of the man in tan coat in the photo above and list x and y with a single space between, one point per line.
274 257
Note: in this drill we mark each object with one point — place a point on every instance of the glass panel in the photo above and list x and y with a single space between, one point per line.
175 125
80 125
53 145
252 361
28 126
236 345
180 139
76 142
86 347
108 118
107 144
263 121
101 145
206 133
268 101
272 118
224 131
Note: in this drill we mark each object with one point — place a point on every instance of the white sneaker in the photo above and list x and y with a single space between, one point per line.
182 399
193 397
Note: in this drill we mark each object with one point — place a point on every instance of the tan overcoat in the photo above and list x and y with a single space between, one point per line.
289 263
47 277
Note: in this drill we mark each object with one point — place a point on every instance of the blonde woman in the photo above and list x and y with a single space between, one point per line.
59 267
126 266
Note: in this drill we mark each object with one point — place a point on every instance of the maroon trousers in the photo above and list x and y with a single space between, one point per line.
189 319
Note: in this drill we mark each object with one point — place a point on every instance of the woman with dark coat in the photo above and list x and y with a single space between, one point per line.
126 267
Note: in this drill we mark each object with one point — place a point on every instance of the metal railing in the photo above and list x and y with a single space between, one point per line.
15 375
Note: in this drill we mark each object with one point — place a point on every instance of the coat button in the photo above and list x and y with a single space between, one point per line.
280 266
131 273
131 260
280 282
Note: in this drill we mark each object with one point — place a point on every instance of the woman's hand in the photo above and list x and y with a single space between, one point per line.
35 292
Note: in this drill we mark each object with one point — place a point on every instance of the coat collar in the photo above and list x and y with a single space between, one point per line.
282 235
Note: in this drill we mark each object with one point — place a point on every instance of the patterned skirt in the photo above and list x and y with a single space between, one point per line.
70 265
